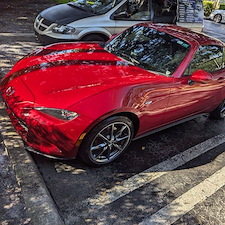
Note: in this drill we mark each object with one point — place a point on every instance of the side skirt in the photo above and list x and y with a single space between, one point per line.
170 125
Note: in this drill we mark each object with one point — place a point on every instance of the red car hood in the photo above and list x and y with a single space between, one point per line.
63 74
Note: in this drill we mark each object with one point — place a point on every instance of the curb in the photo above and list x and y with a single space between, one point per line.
39 203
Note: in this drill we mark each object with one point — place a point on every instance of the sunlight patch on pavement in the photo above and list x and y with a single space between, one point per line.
17 34
63 167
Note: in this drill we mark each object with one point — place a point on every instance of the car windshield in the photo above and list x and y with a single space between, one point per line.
97 7
149 49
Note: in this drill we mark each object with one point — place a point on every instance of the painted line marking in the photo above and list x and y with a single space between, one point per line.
186 202
17 34
111 195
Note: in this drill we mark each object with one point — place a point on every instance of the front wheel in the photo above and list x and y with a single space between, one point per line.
217 18
107 141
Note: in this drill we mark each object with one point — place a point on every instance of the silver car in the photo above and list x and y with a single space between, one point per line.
218 16
83 20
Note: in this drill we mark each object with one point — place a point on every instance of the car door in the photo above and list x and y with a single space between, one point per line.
150 101
189 97
139 11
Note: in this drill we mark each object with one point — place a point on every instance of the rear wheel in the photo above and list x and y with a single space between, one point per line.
217 18
107 141
219 112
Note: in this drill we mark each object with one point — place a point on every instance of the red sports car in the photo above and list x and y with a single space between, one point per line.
92 100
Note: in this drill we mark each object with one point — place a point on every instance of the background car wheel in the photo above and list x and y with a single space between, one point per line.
94 37
217 18
107 141
219 112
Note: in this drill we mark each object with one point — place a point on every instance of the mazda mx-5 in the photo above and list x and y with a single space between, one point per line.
93 99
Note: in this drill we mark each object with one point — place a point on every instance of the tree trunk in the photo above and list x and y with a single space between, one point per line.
216 4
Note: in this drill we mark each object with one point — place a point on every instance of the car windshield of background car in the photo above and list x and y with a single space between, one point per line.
149 49
98 7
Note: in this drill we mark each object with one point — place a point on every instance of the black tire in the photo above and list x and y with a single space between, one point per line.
94 37
107 141
219 112
217 18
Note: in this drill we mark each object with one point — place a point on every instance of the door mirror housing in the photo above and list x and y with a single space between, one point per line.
201 76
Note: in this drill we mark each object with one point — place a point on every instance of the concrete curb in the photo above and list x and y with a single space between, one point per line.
40 205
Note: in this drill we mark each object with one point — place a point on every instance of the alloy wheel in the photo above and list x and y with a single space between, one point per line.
217 18
110 142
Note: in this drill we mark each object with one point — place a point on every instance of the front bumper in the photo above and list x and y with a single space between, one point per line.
46 135
46 40
211 16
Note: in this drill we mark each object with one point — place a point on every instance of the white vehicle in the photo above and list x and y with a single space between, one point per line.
218 16
86 20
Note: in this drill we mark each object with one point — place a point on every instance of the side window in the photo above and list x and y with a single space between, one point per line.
133 10
209 58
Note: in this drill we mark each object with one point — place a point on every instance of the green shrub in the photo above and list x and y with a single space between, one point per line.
222 6
208 7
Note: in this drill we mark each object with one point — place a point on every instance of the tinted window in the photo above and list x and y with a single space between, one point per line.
208 58
134 10
150 49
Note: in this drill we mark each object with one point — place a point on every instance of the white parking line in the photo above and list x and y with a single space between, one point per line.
186 202
17 34
102 199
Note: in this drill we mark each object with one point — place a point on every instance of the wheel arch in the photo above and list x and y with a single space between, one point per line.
99 31
106 38
133 117
88 135
130 115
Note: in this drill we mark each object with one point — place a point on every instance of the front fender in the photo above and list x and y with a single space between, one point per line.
104 104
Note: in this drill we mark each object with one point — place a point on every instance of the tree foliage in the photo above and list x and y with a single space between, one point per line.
208 7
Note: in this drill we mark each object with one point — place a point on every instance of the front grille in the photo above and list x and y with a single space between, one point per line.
41 23
42 28
46 22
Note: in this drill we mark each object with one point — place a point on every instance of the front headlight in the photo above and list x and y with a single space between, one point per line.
62 29
61 114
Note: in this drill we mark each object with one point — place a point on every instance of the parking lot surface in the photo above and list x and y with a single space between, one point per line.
175 176
165 178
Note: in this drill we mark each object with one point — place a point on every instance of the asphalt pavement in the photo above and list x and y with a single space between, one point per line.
25 199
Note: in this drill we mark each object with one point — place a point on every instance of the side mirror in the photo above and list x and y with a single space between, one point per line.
201 76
